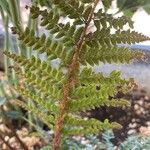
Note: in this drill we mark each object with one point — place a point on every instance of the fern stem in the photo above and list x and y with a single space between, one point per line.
72 69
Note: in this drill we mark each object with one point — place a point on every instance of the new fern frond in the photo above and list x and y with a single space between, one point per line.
61 93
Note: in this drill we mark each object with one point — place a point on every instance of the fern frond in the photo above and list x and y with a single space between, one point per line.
73 9
88 76
97 92
107 3
53 48
104 20
47 119
103 38
48 105
91 103
49 75
54 92
95 127
43 68
44 86
128 36
68 34
114 54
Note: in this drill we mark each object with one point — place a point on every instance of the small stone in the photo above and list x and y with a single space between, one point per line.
132 125
12 140
148 123
141 102
146 98
131 132
145 131
136 106
4 147
6 138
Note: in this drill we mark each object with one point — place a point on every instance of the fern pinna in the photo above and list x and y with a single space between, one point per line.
60 94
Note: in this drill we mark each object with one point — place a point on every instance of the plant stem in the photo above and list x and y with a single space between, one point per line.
17 22
15 13
67 87
5 20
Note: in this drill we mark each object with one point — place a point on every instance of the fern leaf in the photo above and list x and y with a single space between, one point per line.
117 23
91 103
109 55
36 65
54 91
96 126
48 105
53 48
47 119
103 38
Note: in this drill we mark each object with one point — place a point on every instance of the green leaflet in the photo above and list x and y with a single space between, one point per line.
54 49
44 86
86 1
48 105
107 3
117 23
84 122
70 8
87 11
36 65
96 126
91 103
104 38
114 54
91 84
95 90
47 119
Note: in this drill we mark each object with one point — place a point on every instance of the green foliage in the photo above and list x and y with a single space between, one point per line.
11 15
137 142
72 87
130 6
91 142
87 143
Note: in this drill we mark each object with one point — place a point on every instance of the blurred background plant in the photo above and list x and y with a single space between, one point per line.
134 142
129 7
11 115
9 112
